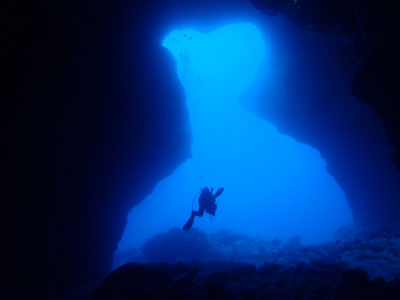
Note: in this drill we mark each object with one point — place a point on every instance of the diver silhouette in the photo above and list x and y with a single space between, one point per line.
206 203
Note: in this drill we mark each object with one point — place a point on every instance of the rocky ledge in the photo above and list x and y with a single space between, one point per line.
229 280
377 253
355 264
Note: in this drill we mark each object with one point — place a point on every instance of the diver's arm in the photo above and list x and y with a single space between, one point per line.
218 192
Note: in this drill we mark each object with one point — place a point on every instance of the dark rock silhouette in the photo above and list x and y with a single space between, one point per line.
240 281
95 122
94 117
351 48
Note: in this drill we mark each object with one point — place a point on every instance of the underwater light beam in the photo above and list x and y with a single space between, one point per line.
275 187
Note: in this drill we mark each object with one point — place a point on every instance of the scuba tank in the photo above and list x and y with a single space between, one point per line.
210 205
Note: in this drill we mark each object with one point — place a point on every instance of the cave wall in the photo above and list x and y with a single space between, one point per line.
95 117
342 98
371 29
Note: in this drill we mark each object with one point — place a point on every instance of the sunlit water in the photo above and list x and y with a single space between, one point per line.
274 186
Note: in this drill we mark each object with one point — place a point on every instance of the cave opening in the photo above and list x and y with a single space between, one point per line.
295 117
275 186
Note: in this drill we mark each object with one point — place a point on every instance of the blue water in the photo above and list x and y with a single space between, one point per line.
275 187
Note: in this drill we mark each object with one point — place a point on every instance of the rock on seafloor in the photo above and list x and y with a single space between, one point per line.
378 253
228 280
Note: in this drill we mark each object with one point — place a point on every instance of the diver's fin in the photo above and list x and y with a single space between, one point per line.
189 223
219 192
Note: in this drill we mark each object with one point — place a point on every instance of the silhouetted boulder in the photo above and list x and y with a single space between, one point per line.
239 281
178 245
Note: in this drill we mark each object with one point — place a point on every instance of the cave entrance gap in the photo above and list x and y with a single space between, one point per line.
275 187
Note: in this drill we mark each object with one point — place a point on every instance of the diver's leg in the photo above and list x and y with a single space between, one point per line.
189 223
199 213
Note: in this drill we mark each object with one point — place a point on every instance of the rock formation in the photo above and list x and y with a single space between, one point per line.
95 116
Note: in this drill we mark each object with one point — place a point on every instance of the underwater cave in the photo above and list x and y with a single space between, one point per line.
275 187
121 113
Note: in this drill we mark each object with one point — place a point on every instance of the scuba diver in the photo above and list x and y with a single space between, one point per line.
206 203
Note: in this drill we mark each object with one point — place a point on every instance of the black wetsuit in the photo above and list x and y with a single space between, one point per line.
206 203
